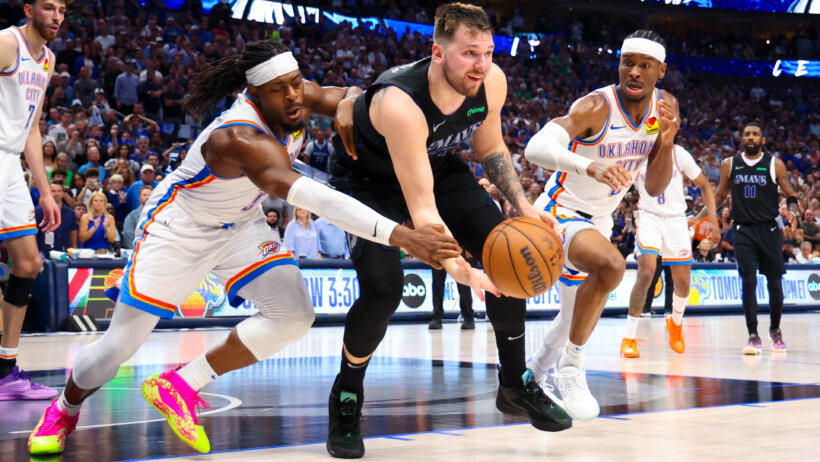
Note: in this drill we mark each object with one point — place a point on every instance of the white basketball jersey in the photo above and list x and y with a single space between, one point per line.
671 202
21 90
621 141
213 200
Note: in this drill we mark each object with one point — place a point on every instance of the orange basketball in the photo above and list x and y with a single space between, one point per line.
523 257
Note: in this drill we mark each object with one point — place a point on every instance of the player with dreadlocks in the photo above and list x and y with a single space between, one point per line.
205 217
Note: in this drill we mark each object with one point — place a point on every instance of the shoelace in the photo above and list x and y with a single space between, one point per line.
23 375
565 384
536 395
349 413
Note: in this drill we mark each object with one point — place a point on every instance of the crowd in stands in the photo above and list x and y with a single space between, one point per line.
114 125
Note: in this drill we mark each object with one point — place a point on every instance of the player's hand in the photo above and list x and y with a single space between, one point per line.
613 175
344 125
712 231
429 243
692 221
530 211
51 214
475 278
668 120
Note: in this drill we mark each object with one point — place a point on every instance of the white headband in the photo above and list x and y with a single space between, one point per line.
644 46
277 66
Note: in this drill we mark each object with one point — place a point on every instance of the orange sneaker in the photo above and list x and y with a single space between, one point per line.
675 335
629 348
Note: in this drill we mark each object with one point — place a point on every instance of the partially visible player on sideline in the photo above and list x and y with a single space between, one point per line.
610 133
206 217
26 65
663 230
752 177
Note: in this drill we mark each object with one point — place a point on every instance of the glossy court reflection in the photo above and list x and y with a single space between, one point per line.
283 402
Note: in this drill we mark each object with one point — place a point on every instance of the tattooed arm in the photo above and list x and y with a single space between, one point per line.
493 153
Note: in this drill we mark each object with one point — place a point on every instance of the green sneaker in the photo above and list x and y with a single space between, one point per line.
344 434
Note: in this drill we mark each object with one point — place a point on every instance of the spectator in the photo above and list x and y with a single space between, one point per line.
273 221
91 185
332 240
125 89
93 155
301 235
811 231
116 197
84 87
727 244
49 153
705 253
805 255
150 94
319 150
97 228
65 235
146 178
123 152
129 226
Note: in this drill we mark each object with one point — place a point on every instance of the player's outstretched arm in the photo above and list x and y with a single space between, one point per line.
336 102
586 117
659 163
267 165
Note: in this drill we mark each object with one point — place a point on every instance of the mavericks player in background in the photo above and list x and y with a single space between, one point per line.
610 133
663 230
26 65
205 217
752 178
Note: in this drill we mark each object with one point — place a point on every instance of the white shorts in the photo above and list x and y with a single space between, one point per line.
16 208
667 236
571 223
173 253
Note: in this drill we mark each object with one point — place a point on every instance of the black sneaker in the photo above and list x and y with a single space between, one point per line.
435 324
344 433
529 401
468 324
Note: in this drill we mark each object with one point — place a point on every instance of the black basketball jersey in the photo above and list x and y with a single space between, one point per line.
445 131
754 191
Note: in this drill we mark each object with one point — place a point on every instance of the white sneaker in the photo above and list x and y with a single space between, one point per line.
571 383
549 388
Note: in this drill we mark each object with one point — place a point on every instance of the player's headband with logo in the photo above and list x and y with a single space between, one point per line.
273 68
644 46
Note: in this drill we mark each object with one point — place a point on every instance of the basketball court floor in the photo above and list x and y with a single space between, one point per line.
430 397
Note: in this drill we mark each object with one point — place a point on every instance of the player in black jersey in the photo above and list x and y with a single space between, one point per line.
401 162
752 179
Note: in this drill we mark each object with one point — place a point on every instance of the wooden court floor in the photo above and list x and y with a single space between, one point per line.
430 396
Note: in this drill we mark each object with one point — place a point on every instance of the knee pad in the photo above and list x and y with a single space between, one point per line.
18 291
264 336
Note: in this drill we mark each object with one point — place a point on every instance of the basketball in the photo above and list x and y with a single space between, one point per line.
523 257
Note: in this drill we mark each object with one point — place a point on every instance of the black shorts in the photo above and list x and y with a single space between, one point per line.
759 246
462 203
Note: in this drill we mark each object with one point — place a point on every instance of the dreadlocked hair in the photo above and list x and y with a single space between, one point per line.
222 77
648 34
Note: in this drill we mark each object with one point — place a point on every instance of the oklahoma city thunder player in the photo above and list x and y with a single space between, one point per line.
205 217
610 133
26 65
663 230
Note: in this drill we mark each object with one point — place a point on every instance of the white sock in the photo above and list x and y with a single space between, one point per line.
197 373
68 408
631 327
678 307
573 356
8 353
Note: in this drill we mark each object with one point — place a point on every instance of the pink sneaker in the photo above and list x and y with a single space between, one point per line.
48 437
18 385
177 402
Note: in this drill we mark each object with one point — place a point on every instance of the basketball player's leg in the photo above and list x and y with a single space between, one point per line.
772 266
747 258
647 263
18 229
677 256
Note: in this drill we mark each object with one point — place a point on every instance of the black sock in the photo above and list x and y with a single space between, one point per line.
775 301
351 376
6 366
511 356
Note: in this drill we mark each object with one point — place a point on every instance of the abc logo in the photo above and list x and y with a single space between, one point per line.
814 286
413 291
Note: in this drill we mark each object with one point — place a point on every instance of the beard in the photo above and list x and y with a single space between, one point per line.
753 150
42 28
460 84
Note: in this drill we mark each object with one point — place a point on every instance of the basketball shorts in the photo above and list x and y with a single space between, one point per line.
571 223
758 246
16 208
667 236
173 254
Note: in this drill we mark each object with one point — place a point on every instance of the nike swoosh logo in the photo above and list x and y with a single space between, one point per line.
515 338
375 227
435 127
25 59
773 228
356 366
738 167
612 127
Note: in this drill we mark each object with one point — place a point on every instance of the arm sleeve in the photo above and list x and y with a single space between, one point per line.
343 211
548 149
